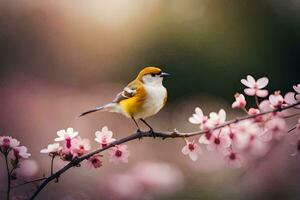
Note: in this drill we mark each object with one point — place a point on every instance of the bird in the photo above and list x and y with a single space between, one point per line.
143 97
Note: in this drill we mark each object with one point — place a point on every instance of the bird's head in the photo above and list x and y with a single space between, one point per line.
152 76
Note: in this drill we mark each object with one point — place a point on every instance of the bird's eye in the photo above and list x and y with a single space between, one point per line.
152 74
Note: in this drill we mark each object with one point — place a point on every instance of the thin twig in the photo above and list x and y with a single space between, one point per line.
51 166
8 178
292 129
139 135
256 101
32 181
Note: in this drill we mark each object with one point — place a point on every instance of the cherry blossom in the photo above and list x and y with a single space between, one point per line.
199 118
191 149
274 128
240 101
289 98
216 119
21 152
276 99
7 142
65 134
95 161
233 159
255 111
205 138
248 137
119 154
104 137
219 141
255 87
51 148
80 146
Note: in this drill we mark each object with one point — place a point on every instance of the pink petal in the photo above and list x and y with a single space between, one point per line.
199 112
262 82
222 115
204 140
247 83
235 104
251 80
297 88
194 120
249 91
193 156
185 150
273 99
262 93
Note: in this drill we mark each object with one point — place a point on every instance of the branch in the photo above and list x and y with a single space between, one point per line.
8 177
141 134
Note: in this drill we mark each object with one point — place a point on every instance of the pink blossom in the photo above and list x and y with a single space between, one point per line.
191 149
248 137
255 87
80 146
95 161
265 106
255 111
104 137
216 119
233 159
51 148
276 99
205 138
219 141
240 101
289 98
21 152
274 128
7 142
198 117
66 135
119 154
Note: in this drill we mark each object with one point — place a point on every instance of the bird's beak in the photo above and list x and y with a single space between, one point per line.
163 74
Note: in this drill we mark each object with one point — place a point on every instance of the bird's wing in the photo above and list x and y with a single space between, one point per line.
129 91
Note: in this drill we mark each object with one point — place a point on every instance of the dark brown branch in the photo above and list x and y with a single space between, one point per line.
139 135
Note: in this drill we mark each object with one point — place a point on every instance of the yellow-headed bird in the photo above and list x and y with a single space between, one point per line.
143 97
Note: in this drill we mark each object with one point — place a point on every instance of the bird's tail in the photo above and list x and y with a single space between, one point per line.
111 107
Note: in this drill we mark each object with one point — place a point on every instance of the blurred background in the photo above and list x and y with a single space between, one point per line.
59 58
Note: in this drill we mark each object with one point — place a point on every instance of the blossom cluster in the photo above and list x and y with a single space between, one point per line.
70 145
250 136
11 147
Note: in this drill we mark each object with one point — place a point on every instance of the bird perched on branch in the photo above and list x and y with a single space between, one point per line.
143 97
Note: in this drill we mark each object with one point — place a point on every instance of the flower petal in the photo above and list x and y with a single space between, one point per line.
250 91
297 88
262 82
262 93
